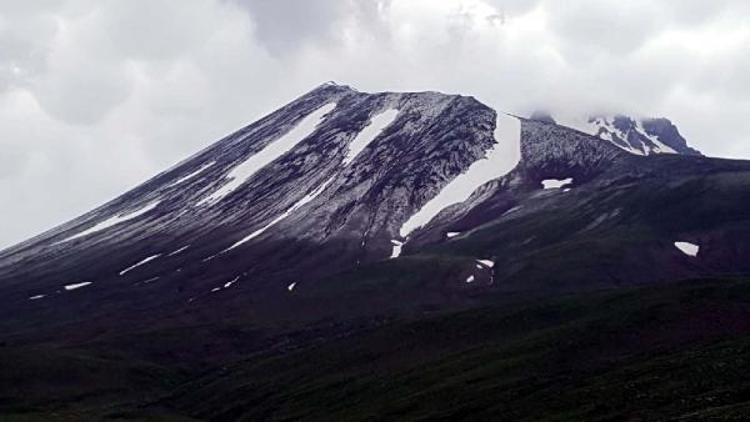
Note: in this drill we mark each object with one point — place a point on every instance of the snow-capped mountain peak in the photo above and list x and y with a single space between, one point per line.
636 135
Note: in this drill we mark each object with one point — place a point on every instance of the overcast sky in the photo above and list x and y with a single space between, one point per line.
97 96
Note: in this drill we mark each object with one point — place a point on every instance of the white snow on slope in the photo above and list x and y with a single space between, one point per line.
308 198
470 279
512 210
452 234
228 284
661 147
113 221
175 252
486 262
270 153
291 286
556 183
397 246
139 263
75 286
369 133
37 297
687 248
191 175
497 162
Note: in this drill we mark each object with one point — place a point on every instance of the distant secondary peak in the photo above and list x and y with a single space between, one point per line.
639 136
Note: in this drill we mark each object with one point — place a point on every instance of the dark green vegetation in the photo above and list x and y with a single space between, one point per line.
677 351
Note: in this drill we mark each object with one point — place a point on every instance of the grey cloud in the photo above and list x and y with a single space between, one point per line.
284 25
591 27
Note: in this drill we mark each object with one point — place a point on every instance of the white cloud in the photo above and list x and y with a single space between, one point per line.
98 95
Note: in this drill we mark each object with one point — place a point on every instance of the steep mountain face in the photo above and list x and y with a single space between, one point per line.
640 136
344 210
291 191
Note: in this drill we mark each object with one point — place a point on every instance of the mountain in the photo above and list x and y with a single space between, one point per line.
641 136
346 219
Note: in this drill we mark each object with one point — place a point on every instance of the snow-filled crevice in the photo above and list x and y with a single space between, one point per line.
76 286
497 162
245 170
177 251
139 263
307 199
369 133
112 221
191 175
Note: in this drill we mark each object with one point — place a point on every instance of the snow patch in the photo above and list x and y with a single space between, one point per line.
512 210
497 162
139 263
452 234
369 133
210 257
175 252
660 146
486 262
37 297
191 175
291 286
397 246
113 221
307 199
228 284
556 183
75 286
687 248
470 279
245 170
